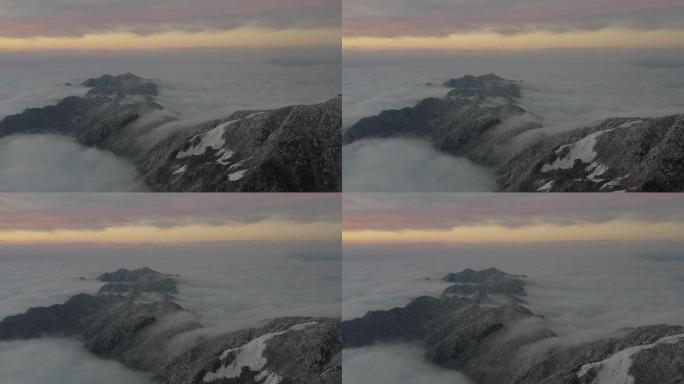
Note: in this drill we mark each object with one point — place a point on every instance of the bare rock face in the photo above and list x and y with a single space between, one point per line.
480 119
292 149
506 343
133 319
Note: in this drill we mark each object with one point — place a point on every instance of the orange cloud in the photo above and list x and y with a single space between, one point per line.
613 37
617 230
268 230
246 37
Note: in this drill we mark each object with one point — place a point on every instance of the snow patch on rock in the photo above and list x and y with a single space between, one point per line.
181 170
211 139
546 187
235 176
251 355
615 369
631 123
582 150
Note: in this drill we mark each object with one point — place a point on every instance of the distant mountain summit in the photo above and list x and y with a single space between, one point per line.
479 327
480 119
134 320
291 149
122 85
489 85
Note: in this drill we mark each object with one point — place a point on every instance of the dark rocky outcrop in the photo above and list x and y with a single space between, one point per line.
292 149
481 120
140 325
122 85
502 342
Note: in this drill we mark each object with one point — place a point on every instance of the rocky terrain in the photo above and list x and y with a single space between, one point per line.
133 319
480 327
292 149
480 119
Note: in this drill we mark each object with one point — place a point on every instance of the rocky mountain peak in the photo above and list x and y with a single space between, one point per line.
479 285
127 84
489 85
137 281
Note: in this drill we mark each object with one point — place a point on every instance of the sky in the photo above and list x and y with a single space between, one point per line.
510 219
129 219
511 25
38 25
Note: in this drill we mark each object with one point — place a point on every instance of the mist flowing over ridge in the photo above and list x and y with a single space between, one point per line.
289 149
480 119
480 326
562 90
134 319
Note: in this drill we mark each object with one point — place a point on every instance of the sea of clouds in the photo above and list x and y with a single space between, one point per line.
229 286
583 290
50 163
561 89
195 86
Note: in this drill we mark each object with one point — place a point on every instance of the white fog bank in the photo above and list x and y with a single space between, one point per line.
49 163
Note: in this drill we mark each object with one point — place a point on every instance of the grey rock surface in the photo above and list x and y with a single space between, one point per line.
507 343
143 328
292 149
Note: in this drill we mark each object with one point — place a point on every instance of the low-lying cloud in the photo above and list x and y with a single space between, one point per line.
50 361
410 165
390 364
47 163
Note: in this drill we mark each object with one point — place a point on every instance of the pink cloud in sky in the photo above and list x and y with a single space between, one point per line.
30 18
427 211
442 17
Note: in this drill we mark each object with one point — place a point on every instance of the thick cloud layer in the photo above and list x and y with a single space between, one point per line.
443 17
561 90
410 165
390 364
50 361
46 163
31 18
